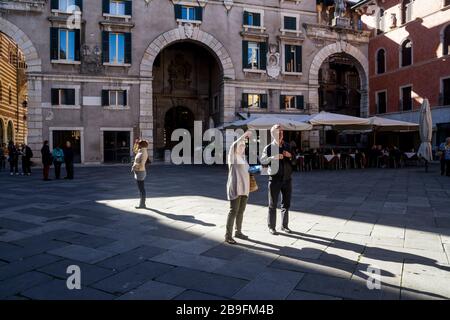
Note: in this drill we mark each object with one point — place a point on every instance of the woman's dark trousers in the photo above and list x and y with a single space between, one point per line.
141 186
237 208
58 170
69 170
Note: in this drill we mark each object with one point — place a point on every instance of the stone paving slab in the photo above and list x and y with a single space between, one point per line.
57 290
132 277
80 253
18 284
205 282
89 273
153 290
26 265
344 221
128 259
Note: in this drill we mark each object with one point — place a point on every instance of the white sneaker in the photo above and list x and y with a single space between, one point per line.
17 174
11 174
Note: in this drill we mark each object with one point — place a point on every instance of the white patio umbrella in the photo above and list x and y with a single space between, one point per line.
384 124
265 123
333 119
426 132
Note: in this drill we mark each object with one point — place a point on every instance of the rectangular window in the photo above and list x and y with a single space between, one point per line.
117 8
446 92
254 55
252 19
114 98
406 101
293 58
251 100
67 5
381 102
116 48
63 97
292 102
66 45
290 23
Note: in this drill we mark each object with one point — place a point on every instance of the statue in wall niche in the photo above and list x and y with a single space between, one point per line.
179 73
340 8
393 20
273 62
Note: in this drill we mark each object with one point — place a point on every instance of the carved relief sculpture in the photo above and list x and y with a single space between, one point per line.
273 62
179 73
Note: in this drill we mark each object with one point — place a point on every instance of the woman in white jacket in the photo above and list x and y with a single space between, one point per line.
238 187
140 172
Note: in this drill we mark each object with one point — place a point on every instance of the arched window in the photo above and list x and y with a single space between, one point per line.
10 131
381 61
407 11
446 41
406 53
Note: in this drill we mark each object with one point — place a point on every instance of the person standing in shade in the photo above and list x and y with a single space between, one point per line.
279 158
140 172
13 159
27 154
447 156
2 157
68 160
58 160
46 160
238 188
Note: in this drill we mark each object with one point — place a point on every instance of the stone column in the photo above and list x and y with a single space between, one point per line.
364 104
229 101
146 113
34 117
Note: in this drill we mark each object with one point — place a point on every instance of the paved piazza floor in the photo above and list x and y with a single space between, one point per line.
345 223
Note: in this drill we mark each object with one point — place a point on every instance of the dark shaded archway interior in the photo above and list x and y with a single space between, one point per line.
187 87
340 85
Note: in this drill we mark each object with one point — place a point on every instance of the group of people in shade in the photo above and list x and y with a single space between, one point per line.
444 157
19 158
57 157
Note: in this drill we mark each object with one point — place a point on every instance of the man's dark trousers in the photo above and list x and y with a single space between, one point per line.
277 186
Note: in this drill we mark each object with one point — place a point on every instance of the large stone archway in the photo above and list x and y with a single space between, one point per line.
34 67
362 66
227 96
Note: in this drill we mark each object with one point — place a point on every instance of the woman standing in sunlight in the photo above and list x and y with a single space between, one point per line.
238 187
140 171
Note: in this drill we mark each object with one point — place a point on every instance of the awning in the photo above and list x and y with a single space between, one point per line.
334 119
265 123
293 122
385 124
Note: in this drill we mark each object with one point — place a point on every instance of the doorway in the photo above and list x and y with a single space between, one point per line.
116 146
60 137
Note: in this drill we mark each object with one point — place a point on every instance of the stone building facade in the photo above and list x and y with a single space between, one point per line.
13 90
409 59
101 73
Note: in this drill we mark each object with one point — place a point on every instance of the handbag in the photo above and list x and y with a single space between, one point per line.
253 184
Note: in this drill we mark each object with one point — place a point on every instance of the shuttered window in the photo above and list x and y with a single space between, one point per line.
290 23
254 55
252 19
64 44
251 100
116 47
292 58
292 102
63 97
